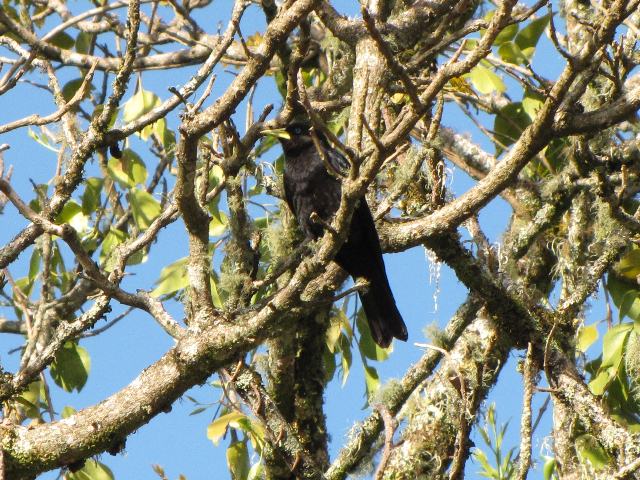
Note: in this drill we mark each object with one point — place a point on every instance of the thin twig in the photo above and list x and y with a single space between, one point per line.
317 122
528 376
317 219
37 120
627 470
389 428
106 327
374 138
206 94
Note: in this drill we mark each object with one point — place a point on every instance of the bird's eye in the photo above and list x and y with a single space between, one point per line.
297 130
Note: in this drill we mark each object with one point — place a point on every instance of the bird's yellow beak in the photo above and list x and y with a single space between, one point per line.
277 132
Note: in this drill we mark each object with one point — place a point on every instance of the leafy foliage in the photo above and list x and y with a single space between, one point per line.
70 369
92 470
501 464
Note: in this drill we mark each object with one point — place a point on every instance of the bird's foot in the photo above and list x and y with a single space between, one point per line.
315 218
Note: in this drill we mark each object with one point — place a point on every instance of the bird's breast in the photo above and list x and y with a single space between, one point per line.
309 188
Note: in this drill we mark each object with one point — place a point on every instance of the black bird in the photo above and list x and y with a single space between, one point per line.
309 188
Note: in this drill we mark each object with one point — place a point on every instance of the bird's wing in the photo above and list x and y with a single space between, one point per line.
288 193
337 161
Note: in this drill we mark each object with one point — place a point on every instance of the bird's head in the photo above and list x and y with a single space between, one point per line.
294 137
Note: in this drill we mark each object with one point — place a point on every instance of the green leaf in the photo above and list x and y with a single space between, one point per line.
111 240
169 143
71 87
587 335
346 323
333 334
215 293
145 208
528 37
30 399
219 221
91 198
627 305
589 449
166 137
469 44
531 103
254 430
629 264
345 348
92 470
217 428
613 345
162 134
197 411
598 385
400 98
216 175
67 411
238 460
62 40
257 471
625 296
266 144
129 170
549 467
256 436
329 361
556 154
83 42
42 140
485 80
70 369
506 34
509 124
338 123
34 264
312 77
281 83
631 427
278 165
73 215
372 380
25 285
173 277
510 52
619 394
40 191
160 129
97 111
218 225
143 101
488 471
60 275
368 347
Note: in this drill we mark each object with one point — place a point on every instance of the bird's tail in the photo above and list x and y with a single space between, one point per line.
382 313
